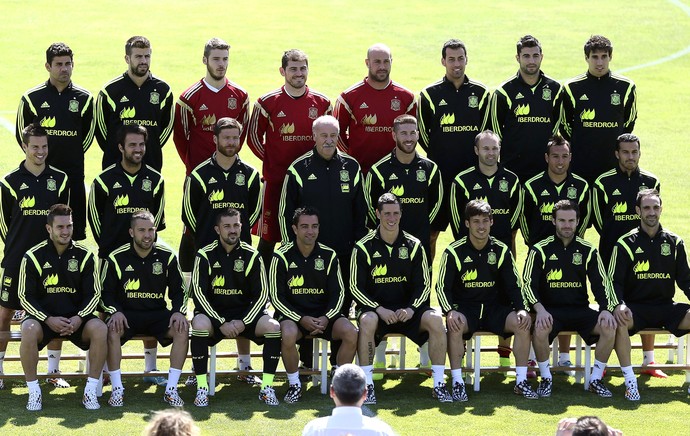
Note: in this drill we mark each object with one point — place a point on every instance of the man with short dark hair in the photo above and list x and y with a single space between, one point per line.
451 112
613 202
135 97
390 281
348 391
26 194
280 131
555 286
307 291
137 277
478 288
525 112
597 107
230 296
367 109
646 265
60 291
65 110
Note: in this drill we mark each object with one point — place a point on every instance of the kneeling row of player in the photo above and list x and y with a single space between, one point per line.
478 288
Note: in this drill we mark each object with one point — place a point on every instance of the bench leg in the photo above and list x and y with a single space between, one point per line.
477 362
212 372
588 363
578 361
324 365
402 351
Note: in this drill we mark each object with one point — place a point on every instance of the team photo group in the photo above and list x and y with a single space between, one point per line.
347 211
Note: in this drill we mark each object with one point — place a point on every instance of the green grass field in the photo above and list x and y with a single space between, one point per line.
652 44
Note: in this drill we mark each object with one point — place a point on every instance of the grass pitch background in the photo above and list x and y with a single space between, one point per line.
651 46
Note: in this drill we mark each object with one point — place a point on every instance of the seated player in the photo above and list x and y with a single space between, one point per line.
307 291
60 292
390 282
646 264
230 296
478 288
555 285
136 277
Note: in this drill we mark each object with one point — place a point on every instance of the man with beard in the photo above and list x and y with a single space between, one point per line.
135 97
367 109
452 111
137 276
220 182
66 111
525 112
120 190
646 265
279 133
230 297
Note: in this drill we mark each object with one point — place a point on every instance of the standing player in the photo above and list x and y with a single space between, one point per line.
135 97
60 291
230 296
307 291
646 265
390 280
478 288
451 113
123 188
555 286
65 110
26 194
196 112
136 278
367 109
279 133
614 196
525 112
596 108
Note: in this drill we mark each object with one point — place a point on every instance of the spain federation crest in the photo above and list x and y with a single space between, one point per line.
154 98
318 264
403 253
157 268
344 176
491 258
503 185
665 249
146 185
395 104
73 106
577 258
51 185
615 99
239 179
473 101
421 176
73 265
571 193
238 266
313 113
546 94
232 103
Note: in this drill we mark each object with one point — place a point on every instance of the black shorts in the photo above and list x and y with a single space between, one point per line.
486 317
75 338
9 291
248 333
410 328
662 316
580 319
149 323
327 334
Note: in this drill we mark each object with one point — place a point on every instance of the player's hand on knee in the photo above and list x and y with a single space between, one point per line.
179 323
623 314
544 320
524 320
118 322
454 321
388 316
404 315
607 320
